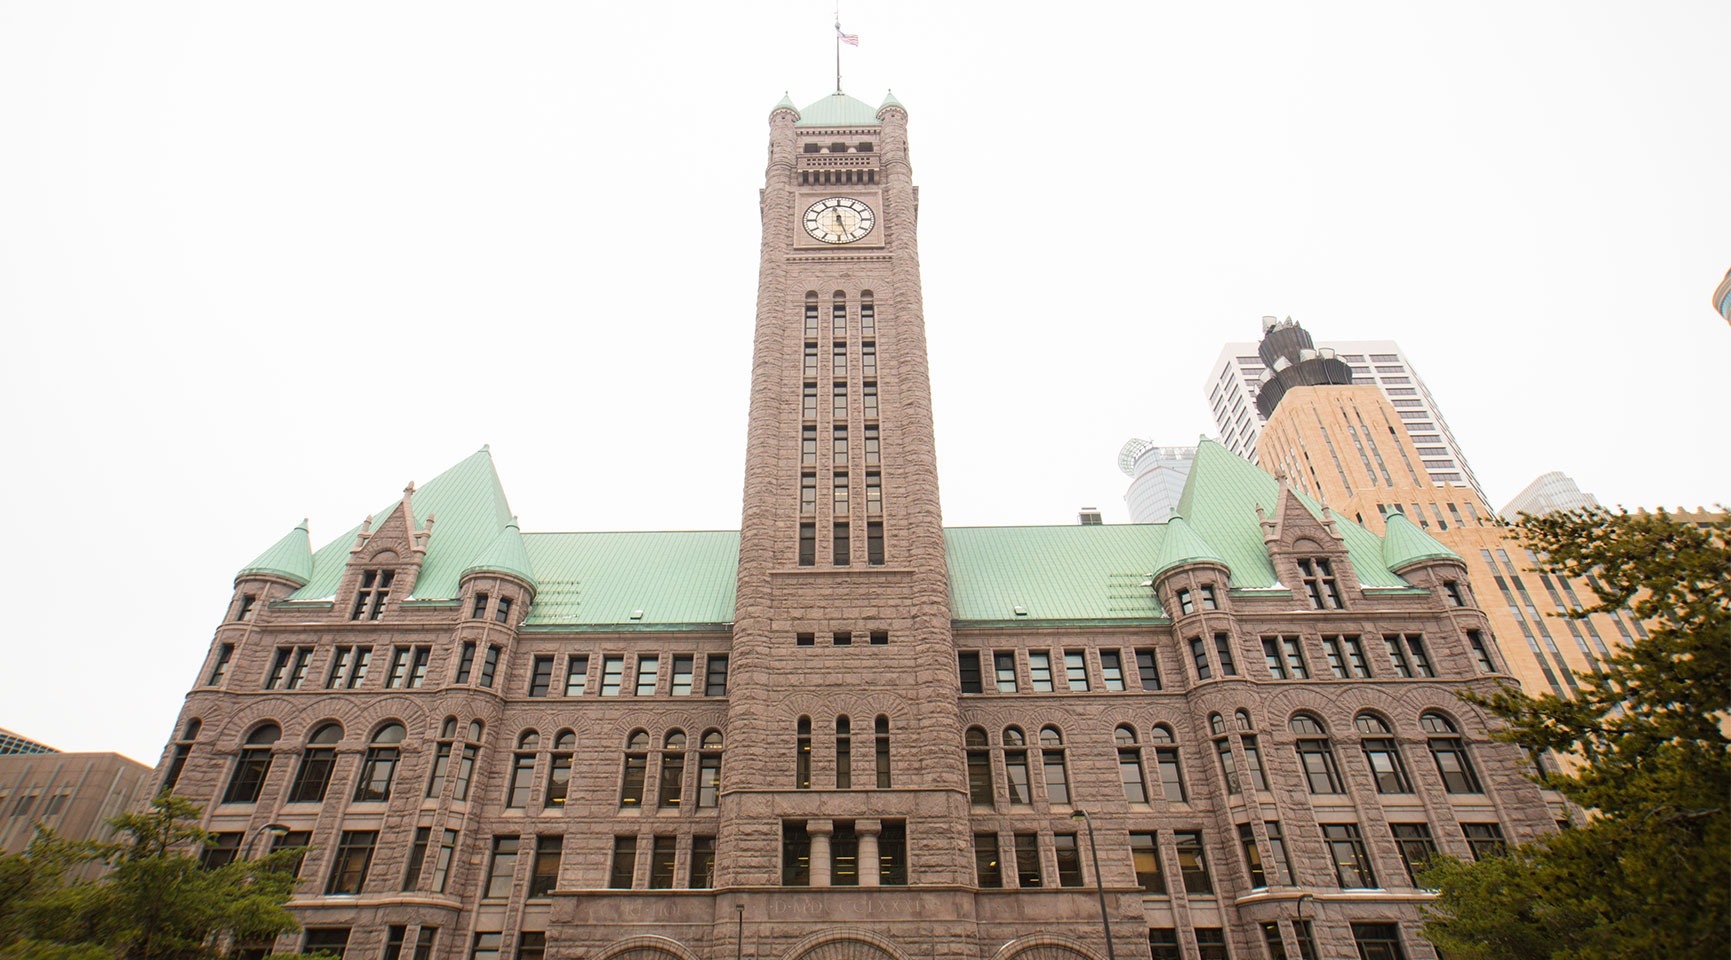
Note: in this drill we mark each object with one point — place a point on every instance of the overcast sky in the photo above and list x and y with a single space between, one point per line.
261 262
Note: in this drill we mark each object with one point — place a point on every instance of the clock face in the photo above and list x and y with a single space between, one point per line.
839 220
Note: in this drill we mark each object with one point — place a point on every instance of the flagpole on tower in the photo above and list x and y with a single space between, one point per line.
838 46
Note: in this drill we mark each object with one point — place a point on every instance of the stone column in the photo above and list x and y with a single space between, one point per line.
868 852
819 831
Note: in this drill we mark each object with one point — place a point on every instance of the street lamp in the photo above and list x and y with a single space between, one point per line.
276 830
1099 884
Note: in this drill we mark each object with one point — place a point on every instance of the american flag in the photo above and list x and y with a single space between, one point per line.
851 39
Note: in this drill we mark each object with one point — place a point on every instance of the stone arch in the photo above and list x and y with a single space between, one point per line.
1045 946
845 944
646 947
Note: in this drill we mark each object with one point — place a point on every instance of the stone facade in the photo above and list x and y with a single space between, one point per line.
848 736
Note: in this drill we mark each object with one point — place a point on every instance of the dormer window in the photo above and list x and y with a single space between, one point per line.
370 599
1320 584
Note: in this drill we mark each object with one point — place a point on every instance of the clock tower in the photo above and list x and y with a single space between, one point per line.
843 712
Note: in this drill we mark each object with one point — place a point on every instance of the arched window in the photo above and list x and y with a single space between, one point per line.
379 766
1216 725
253 765
843 753
802 754
709 769
1383 754
1316 755
1166 758
559 769
811 316
442 757
979 766
1450 753
476 728
881 750
1016 766
636 765
448 730
317 761
868 321
1052 762
1223 751
1242 718
522 770
182 749
672 787
1130 765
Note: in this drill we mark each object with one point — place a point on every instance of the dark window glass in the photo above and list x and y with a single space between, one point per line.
220 852
624 871
1416 845
795 854
1211 944
1028 860
1485 839
1145 858
1069 860
1147 670
715 675
893 853
548 852
988 871
661 858
354 855
541 676
503 870
702 875
968 665
1223 647
331 940
1163 944
1193 862
1351 859
1378 941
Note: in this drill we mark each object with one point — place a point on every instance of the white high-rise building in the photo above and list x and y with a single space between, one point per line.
1550 492
1239 372
1157 476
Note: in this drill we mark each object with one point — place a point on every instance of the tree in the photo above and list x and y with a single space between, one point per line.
157 902
1649 873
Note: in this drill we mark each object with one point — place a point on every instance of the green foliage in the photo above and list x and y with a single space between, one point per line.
155 903
1649 874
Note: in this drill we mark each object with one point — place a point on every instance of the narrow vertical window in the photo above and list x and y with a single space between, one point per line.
1481 652
624 870
881 751
1396 653
968 667
838 361
843 753
795 854
1147 670
875 543
490 663
636 763
715 675
1315 755
522 779
1171 771
1223 648
874 495
1040 671
811 316
1355 657
873 450
1199 654
1193 862
251 767
502 611
442 866
1382 753
1016 767
244 611
465 661
1076 670
661 860
702 873
1277 847
479 612
808 542
559 769
979 767
223 654
843 854
612 675
545 876
709 770
1145 858
1295 658
379 765
802 755
988 871
1252 857
842 548
808 402
1052 761
1320 585
1449 752
1069 858
1004 671
838 496
541 676
808 447
681 683
398 671
1130 766
869 398
838 447
868 321
838 398
808 495
1484 839
370 598
576 675
893 853
1112 670
868 359
1028 872
648 674
672 786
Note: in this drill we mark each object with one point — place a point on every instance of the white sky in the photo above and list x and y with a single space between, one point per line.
266 261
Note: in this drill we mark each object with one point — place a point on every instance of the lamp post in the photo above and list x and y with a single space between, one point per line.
1099 884
276 830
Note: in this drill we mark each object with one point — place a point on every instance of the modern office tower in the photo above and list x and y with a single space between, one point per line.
1348 447
843 731
1235 385
1157 476
72 794
1550 492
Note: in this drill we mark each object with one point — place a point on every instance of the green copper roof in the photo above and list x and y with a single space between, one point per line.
504 555
1182 545
1403 543
1220 500
290 558
837 110
1052 573
786 103
890 101
604 578
469 508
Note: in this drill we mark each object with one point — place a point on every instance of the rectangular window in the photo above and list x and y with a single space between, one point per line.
1171 776
490 663
548 852
1112 670
1145 858
274 680
370 599
1209 600
1481 653
1351 859
502 610
988 871
1416 845
417 858
808 402
1484 839
1452 590
1211 944
838 359
1163 944
708 779
1355 657
502 871
808 450
1223 647
1076 671
842 638
1295 658
424 940
681 684
1040 670
247 601
808 495
807 544
870 398
1320 585
702 873
1147 670
843 854
1252 856
1199 654
661 857
223 654
868 324
1420 659
395 934
795 854
466 662
1336 659
809 367
838 401
875 543
715 675
1378 941
879 638
624 871
874 495
838 496
1397 653
480 610
1004 669
968 666
1186 605
576 675
486 946
331 940
466 770
1130 775
1271 656
1193 862
893 853
873 452
349 869
442 866
612 675
1277 847
1028 860
522 779
541 676
868 359
648 674
532 945
1069 859
398 674
223 850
